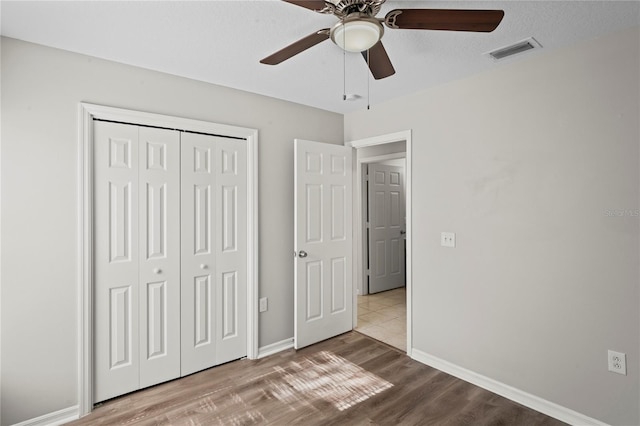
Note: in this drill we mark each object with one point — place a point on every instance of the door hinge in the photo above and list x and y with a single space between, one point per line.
368 271
367 225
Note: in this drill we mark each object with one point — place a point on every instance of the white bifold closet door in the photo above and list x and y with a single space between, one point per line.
214 186
170 255
137 257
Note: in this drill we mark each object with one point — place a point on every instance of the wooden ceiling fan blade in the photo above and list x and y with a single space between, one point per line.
297 47
379 62
444 19
315 5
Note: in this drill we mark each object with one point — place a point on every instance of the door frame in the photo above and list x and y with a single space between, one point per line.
357 218
86 113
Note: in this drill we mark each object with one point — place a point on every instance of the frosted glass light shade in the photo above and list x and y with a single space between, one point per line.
356 36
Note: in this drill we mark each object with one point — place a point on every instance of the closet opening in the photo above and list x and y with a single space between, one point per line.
132 231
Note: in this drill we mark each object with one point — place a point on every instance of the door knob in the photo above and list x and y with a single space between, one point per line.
157 270
403 232
203 266
302 253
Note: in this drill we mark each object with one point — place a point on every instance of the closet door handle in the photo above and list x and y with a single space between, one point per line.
302 253
157 270
203 266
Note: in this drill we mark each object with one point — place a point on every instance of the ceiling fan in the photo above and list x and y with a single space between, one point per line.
358 29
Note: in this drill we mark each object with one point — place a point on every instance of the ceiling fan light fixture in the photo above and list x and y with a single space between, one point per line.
357 35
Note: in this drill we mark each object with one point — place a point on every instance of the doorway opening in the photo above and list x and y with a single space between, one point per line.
382 245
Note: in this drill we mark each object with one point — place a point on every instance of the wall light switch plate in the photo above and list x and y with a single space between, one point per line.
448 239
264 304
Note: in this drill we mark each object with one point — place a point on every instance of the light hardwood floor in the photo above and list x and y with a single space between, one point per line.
348 380
383 316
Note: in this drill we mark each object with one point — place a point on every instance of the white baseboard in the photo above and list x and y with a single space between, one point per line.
56 418
276 347
528 400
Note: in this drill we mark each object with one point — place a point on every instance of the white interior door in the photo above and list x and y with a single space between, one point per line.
159 272
198 253
116 290
231 249
386 227
214 194
137 257
323 241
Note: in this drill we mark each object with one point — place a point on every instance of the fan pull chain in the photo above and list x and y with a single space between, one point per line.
368 79
344 76
344 67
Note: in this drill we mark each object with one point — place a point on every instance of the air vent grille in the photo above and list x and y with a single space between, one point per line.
514 49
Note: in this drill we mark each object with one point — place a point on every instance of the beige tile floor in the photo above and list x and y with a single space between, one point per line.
383 316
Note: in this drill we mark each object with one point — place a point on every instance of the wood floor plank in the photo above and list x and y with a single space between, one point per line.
348 380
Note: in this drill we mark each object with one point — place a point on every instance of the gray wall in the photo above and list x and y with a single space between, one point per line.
528 164
41 89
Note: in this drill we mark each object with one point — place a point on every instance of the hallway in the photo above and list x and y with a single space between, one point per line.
383 316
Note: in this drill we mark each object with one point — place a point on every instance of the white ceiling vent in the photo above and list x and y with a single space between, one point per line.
514 49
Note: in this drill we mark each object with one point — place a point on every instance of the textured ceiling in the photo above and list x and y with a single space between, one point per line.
221 42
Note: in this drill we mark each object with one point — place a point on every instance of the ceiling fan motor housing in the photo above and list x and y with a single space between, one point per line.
344 8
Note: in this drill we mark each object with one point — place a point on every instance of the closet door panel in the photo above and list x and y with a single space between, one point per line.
230 249
198 254
116 340
159 253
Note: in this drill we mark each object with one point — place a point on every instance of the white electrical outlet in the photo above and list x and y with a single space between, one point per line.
617 362
448 239
264 304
